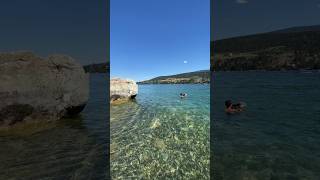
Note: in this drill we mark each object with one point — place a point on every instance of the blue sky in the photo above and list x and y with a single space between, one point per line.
242 17
150 38
74 27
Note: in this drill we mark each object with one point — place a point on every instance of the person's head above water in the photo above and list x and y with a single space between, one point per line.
228 103
183 95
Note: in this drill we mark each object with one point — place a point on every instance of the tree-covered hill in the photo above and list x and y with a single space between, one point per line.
184 78
292 48
97 68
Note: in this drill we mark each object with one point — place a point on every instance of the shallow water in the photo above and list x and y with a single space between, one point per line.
70 149
278 136
160 135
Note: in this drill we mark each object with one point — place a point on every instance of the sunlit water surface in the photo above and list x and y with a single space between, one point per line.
161 136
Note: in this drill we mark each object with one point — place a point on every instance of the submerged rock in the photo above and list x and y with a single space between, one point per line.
33 88
122 90
160 144
155 124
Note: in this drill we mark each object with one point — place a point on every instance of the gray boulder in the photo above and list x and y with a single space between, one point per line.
122 90
33 88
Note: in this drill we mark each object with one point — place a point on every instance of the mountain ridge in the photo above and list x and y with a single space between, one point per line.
195 77
286 49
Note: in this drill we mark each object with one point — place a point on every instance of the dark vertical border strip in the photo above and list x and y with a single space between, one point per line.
211 92
108 173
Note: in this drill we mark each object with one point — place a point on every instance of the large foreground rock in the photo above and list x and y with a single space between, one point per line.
122 90
32 88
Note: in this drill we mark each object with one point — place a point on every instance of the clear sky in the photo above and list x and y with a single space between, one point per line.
150 38
74 27
242 17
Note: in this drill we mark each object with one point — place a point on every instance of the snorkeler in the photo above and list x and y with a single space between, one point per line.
182 95
233 108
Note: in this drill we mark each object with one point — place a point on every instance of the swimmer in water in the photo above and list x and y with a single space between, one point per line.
233 108
182 95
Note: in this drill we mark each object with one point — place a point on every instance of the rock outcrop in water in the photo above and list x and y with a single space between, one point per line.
33 88
122 90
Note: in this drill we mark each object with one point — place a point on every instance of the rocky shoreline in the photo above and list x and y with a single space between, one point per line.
40 89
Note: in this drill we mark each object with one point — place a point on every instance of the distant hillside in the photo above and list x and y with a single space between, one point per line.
184 78
292 48
97 68
299 29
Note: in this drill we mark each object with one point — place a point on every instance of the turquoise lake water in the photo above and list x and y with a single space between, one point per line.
160 135
67 149
278 136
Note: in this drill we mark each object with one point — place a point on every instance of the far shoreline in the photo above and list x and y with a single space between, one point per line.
172 83
264 70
